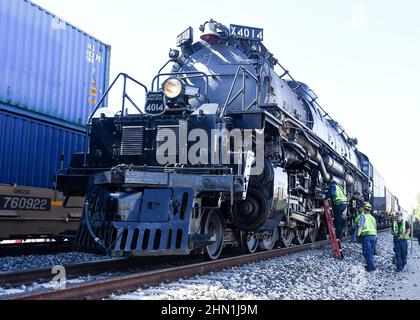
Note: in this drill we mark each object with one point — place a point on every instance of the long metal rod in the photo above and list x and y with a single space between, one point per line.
222 112
123 96
133 103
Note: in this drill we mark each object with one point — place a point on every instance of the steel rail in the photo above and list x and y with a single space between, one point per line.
15 279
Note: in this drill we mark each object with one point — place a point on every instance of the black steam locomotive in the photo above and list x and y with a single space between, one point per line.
226 153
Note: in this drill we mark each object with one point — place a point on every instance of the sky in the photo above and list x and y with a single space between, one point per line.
362 58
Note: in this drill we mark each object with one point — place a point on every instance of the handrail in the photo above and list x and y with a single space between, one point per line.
125 95
242 91
98 105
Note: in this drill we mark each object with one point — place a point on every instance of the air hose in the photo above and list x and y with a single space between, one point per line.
97 240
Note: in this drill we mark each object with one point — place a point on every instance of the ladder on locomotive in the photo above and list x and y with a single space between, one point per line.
336 244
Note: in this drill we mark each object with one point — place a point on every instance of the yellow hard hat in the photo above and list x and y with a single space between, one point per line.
367 206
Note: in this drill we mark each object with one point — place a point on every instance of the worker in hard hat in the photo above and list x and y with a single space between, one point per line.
368 232
339 207
401 232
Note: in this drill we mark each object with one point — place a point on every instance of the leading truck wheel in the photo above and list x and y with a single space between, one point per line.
269 243
214 226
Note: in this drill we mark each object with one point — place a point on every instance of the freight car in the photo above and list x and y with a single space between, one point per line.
27 213
226 153
384 203
45 102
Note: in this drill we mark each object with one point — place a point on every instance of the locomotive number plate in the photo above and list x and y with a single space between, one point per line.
155 104
8 202
248 33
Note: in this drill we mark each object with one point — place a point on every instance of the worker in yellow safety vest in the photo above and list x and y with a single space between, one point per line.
367 230
339 205
401 232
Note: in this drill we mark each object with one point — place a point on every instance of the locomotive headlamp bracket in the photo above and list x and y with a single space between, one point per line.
176 92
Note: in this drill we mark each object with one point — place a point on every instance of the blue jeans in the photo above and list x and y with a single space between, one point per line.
368 245
354 235
339 221
401 252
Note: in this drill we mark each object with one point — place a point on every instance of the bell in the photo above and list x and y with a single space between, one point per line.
210 34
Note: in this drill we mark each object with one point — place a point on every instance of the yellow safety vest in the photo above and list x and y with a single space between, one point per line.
401 230
339 196
369 227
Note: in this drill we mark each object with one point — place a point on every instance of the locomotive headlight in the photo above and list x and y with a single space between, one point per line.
172 88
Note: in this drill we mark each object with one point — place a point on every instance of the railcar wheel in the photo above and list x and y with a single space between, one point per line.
301 234
249 244
286 235
268 244
215 226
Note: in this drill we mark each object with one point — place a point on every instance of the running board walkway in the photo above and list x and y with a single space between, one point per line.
336 244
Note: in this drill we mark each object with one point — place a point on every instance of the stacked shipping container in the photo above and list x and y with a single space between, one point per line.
51 76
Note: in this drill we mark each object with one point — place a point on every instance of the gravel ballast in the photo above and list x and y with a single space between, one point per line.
28 262
310 275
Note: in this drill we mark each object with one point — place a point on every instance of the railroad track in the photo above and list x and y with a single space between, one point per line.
34 248
15 279
98 289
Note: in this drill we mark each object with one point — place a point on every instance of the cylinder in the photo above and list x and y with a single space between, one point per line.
338 181
349 179
334 166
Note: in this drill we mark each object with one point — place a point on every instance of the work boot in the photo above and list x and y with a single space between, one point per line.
370 270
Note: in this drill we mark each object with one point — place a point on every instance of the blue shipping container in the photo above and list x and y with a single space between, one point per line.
49 69
30 150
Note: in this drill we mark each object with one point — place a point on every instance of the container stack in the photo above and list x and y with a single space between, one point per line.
52 75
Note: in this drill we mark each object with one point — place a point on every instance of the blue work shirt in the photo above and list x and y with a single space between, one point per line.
331 191
361 221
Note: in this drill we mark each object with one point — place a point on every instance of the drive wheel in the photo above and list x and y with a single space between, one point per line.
249 245
214 225
286 235
301 234
312 234
269 244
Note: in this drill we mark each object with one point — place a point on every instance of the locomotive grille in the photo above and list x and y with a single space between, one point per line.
132 141
163 133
